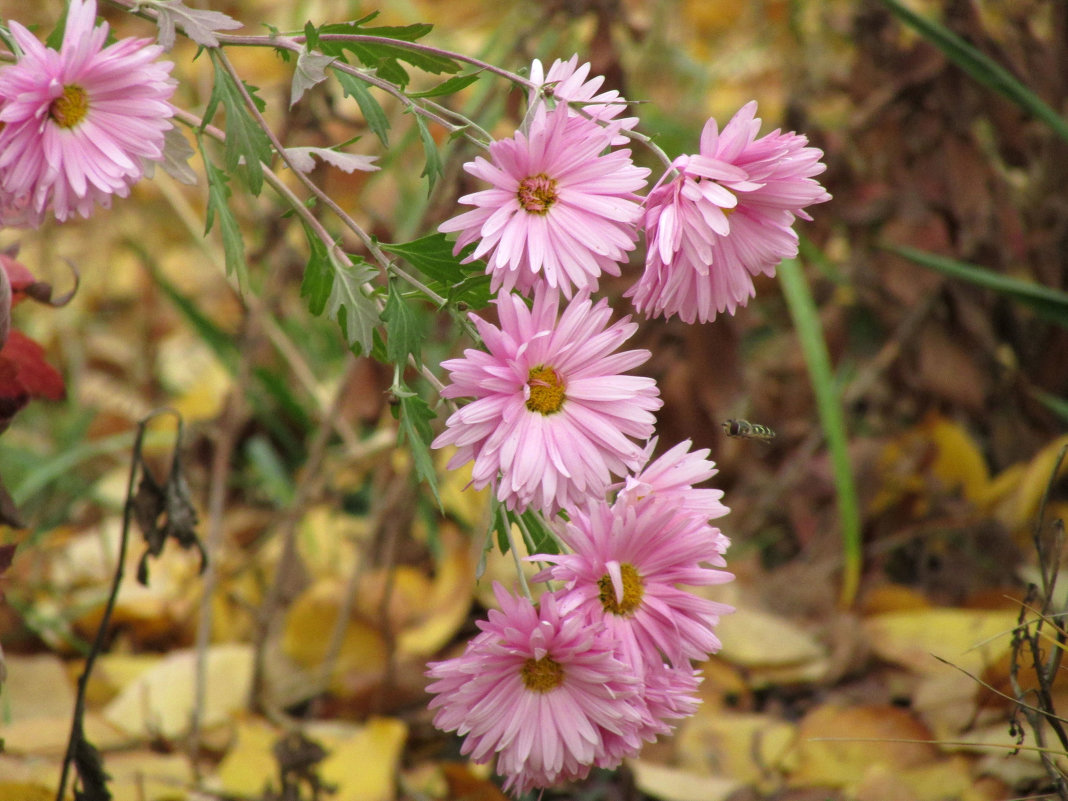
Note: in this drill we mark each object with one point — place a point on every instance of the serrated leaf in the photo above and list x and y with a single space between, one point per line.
452 85
369 107
415 417
199 25
535 530
246 143
301 158
310 71
176 154
474 291
433 169
233 243
432 256
427 62
537 533
384 56
318 279
406 33
403 332
354 311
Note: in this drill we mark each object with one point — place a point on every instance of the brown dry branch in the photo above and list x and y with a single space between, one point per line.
1028 644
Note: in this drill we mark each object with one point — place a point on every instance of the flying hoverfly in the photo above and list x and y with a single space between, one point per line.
743 429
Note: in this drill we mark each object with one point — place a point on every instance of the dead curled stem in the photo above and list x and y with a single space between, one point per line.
77 736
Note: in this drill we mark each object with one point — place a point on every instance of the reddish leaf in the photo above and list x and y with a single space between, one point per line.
13 395
20 277
36 377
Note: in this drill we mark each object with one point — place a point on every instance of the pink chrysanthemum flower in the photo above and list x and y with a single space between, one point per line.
540 690
551 415
669 695
78 122
560 208
625 565
725 218
567 83
672 477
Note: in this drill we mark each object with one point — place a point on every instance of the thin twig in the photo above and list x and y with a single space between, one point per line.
77 735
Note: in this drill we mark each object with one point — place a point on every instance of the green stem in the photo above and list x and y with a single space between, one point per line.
828 404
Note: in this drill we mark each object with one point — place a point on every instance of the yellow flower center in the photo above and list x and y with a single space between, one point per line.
542 675
70 107
537 193
546 390
633 590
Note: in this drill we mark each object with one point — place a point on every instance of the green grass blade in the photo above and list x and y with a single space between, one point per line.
1048 303
1059 406
980 66
806 321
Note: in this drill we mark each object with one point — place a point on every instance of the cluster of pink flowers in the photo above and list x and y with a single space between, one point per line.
78 124
604 662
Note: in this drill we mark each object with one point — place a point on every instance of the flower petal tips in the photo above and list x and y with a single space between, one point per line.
560 211
724 218
553 418
78 122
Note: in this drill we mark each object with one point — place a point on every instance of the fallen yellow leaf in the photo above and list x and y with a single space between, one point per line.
249 766
837 746
969 639
309 629
746 747
364 764
36 686
676 784
159 703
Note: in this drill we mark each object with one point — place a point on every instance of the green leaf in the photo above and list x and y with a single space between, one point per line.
406 33
432 256
272 475
1049 303
829 406
233 243
246 143
403 333
318 278
427 62
354 311
452 85
415 417
536 533
369 107
384 56
980 66
433 169
311 36
1059 406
